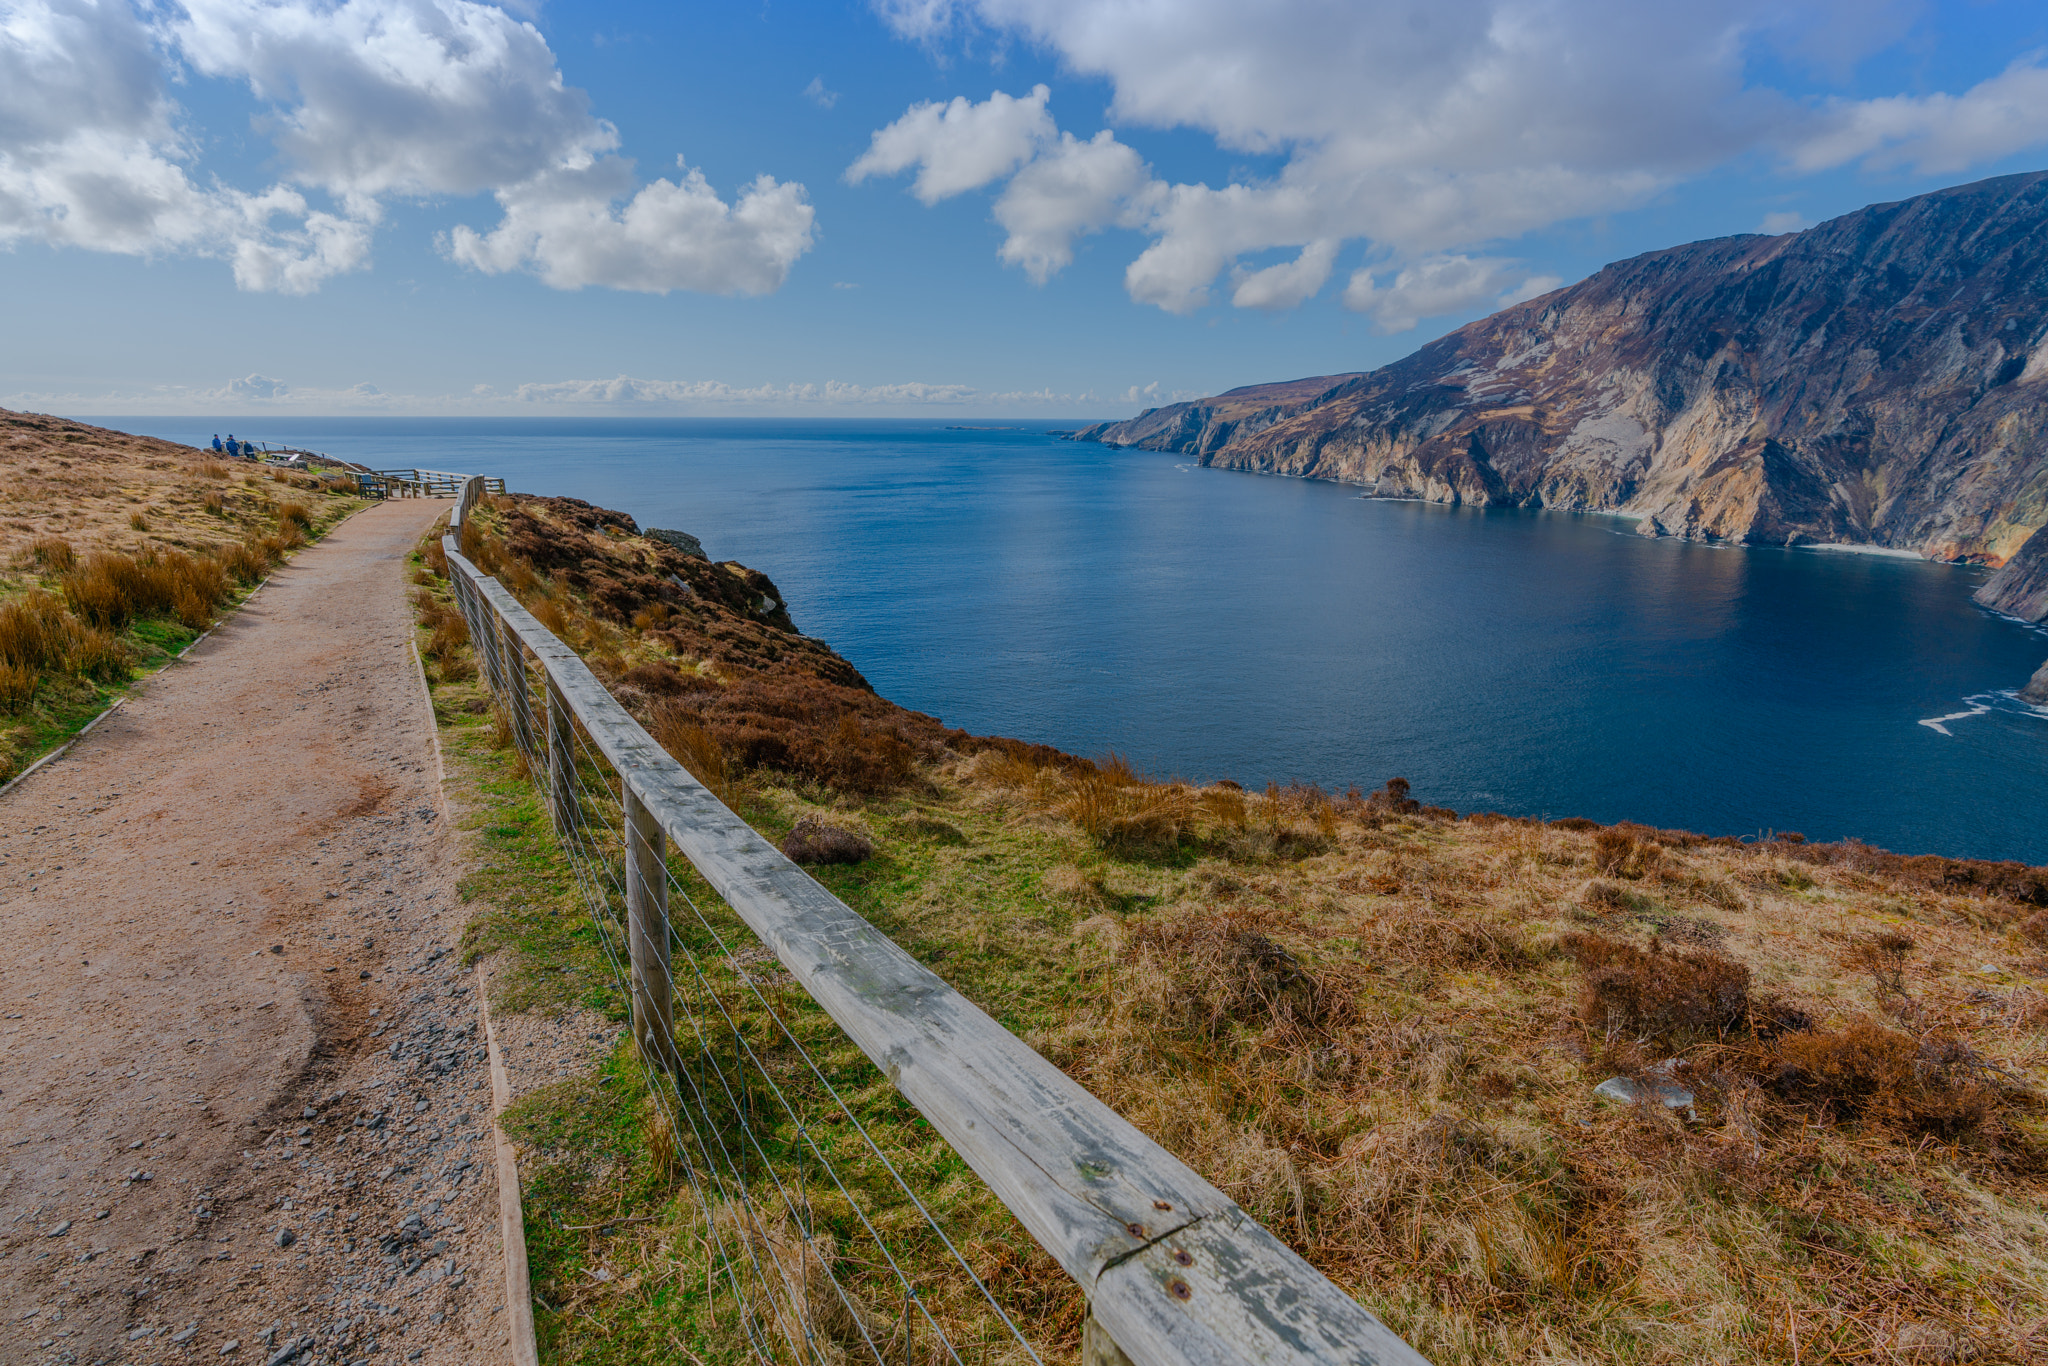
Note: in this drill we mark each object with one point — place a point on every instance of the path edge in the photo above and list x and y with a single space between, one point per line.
511 1217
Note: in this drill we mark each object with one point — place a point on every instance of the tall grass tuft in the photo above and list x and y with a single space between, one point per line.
18 684
110 590
295 512
53 553
99 655
245 561
35 632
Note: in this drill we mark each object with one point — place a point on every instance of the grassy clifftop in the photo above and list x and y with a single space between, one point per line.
115 552
1377 1024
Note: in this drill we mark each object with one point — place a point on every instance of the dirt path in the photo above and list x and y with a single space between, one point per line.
243 1097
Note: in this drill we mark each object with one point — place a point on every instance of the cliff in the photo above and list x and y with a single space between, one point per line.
1881 378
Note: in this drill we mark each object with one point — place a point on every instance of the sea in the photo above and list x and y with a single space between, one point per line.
1209 624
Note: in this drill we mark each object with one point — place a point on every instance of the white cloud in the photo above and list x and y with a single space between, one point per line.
1785 220
366 100
959 146
1429 131
817 94
671 234
254 387
1934 134
1287 284
1070 188
1437 285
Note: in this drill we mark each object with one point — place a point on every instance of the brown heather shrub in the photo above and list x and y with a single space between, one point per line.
212 469
1621 851
437 558
1609 898
844 737
1577 823
1936 1085
815 842
1195 973
658 679
213 502
1657 994
1883 956
295 513
138 522
53 553
288 536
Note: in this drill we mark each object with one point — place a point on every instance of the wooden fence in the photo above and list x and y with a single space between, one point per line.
1175 1273
420 484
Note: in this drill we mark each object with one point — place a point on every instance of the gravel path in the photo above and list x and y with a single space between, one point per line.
244 1102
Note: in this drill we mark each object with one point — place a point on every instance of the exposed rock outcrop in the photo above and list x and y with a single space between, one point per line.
1880 378
2037 691
2020 589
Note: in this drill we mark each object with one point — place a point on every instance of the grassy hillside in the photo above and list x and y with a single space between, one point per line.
1375 1023
115 552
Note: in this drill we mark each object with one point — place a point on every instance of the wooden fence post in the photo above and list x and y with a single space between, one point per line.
518 695
1097 1347
562 803
647 931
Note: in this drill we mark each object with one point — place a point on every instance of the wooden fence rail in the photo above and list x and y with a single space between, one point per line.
1176 1274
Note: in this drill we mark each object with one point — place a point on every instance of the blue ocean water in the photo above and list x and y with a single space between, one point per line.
1210 624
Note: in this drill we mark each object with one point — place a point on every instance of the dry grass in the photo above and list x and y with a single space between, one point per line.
1378 1026
110 544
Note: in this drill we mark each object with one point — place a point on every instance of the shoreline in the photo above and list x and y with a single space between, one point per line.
1858 548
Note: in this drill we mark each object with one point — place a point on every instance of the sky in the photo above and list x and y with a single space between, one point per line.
941 208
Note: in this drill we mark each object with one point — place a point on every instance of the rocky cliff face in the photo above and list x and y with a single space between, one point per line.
1880 378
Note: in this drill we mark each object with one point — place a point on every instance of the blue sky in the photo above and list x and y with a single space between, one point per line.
975 207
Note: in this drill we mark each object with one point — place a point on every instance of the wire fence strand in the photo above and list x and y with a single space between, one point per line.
814 1238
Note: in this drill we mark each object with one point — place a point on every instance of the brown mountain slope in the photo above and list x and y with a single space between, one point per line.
1880 378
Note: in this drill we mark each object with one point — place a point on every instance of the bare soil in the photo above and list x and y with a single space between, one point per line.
245 1097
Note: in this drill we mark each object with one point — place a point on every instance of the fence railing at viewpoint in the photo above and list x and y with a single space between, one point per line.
820 1246
420 484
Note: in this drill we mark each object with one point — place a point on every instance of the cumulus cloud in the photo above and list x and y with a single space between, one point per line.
1934 134
1287 284
1438 285
1428 131
256 387
365 100
959 146
817 94
1069 188
672 234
